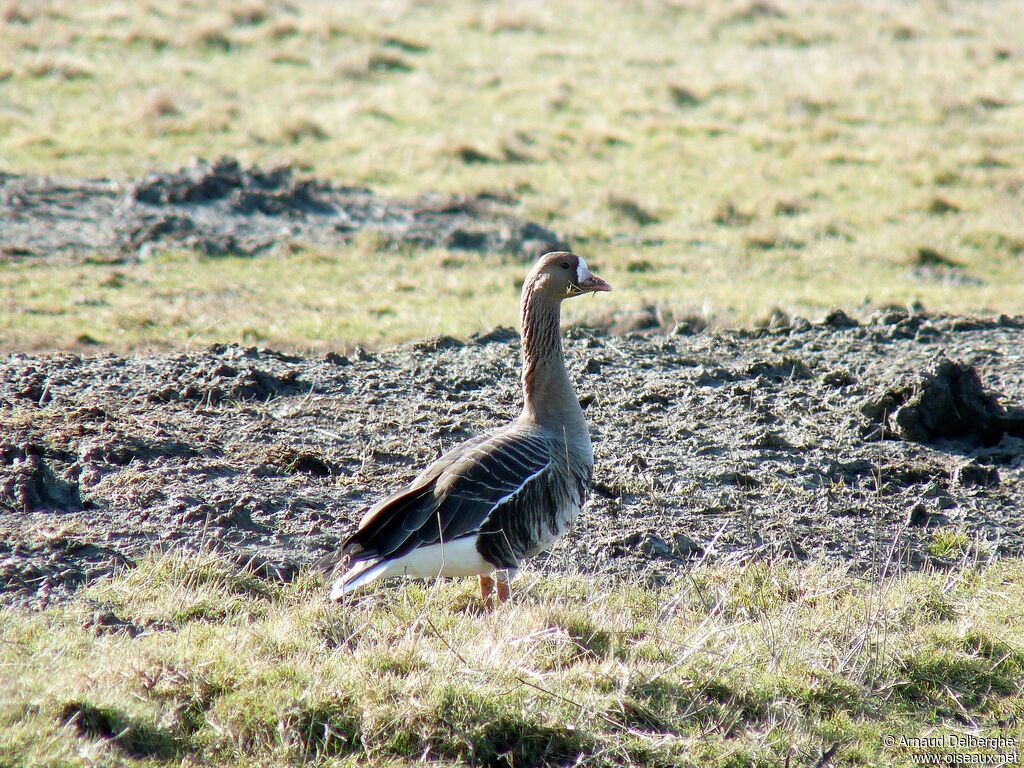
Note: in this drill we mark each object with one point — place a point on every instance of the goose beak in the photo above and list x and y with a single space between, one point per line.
587 282
592 284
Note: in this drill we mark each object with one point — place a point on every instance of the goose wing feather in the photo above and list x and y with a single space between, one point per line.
455 496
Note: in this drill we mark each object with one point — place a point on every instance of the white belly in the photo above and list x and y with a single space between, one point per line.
458 557
452 558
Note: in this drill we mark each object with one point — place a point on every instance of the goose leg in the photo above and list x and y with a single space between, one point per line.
503 590
486 587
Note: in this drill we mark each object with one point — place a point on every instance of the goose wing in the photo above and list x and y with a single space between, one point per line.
456 496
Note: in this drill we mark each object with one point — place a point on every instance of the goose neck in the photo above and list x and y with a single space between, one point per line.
547 391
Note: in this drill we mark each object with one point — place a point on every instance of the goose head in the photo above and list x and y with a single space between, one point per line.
562 275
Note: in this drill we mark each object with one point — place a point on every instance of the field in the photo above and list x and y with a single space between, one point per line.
724 160
193 663
806 391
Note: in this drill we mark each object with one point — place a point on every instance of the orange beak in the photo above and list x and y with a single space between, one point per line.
585 281
593 284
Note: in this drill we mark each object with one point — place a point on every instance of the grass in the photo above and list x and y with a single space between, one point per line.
191 662
304 299
750 156
949 542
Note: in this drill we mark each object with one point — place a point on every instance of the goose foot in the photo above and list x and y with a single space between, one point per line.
499 587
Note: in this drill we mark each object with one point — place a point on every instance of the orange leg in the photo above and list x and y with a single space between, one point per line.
486 588
503 591
489 586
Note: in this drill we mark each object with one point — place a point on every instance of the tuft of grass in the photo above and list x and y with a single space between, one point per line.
134 737
749 665
300 129
60 69
948 542
631 209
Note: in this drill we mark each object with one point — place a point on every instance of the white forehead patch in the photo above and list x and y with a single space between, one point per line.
582 273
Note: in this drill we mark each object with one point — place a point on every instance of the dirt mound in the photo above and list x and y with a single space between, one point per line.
225 381
947 402
249 190
223 208
731 444
29 483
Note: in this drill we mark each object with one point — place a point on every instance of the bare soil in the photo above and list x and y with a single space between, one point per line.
848 441
222 208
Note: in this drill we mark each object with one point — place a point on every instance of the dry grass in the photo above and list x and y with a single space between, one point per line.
831 129
192 662
302 299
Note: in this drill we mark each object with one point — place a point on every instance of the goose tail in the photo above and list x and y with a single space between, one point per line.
360 574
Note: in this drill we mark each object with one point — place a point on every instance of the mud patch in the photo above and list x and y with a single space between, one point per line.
224 208
45 562
227 382
708 446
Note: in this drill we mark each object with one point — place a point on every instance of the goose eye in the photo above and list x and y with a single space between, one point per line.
564 265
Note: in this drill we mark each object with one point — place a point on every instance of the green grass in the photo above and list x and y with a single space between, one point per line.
718 159
306 299
949 542
753 159
729 666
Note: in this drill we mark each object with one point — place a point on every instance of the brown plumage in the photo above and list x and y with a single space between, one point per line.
501 497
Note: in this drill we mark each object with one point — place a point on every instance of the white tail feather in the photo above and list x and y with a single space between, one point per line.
357 576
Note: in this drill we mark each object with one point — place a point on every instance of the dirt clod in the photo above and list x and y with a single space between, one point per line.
947 402
290 460
839 319
27 482
976 475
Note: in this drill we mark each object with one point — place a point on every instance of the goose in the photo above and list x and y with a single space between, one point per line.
503 496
